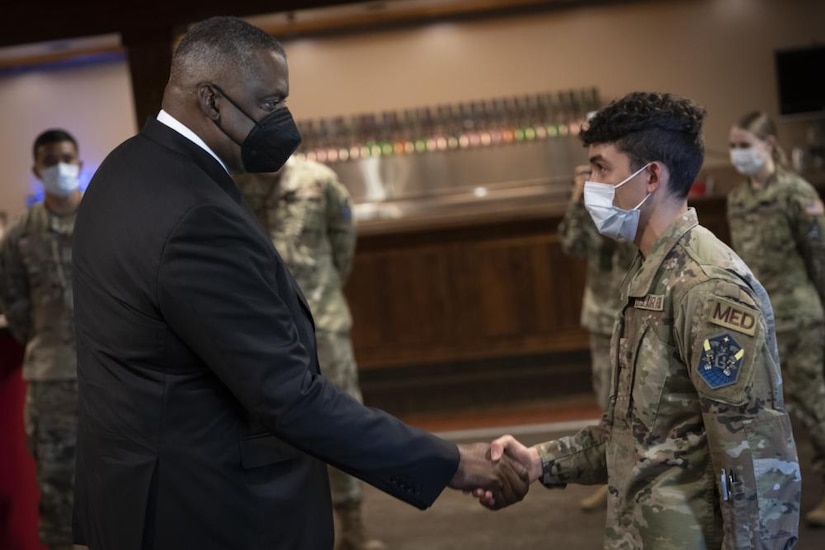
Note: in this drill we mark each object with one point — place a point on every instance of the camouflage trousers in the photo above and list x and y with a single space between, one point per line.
600 367
801 356
51 430
337 362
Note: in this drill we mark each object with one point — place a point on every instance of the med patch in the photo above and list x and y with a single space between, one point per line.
733 316
720 360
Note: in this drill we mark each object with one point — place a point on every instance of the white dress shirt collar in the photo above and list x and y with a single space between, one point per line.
178 126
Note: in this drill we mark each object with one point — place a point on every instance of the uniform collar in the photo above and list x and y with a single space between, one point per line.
42 217
641 284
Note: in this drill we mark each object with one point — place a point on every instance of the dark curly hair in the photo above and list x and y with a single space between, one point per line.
651 127
52 135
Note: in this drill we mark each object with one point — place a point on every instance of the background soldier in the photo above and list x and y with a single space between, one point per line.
607 265
36 294
777 225
696 445
308 215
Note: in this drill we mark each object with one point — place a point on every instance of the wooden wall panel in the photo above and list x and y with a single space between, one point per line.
366 296
568 287
455 295
418 308
481 312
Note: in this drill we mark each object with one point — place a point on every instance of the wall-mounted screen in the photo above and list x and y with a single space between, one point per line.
800 79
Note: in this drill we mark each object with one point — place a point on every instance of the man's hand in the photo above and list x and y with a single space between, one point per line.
506 447
528 457
504 481
582 173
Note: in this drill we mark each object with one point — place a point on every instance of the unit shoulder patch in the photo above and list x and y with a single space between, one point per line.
720 361
733 316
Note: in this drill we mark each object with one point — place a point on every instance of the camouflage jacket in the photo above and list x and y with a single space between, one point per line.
607 265
779 231
36 292
308 215
696 398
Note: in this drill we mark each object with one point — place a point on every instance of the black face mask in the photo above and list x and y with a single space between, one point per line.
271 141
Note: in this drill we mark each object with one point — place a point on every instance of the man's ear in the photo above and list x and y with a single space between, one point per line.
36 173
659 175
208 101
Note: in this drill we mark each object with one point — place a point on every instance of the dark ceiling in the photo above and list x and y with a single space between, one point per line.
29 21
34 21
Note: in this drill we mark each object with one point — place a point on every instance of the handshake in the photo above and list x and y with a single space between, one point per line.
499 473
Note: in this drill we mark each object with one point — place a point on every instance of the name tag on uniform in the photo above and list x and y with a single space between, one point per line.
653 302
728 314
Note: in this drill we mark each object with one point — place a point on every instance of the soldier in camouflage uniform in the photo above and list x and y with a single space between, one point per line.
36 294
696 445
308 214
777 225
607 265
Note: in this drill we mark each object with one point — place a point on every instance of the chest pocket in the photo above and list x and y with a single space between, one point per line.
652 372
42 269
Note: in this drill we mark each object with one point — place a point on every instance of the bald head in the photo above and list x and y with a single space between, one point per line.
219 48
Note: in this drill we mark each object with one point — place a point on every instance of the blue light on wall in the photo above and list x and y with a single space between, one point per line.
35 197
65 64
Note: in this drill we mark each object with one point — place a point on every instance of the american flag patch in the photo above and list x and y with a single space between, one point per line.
815 208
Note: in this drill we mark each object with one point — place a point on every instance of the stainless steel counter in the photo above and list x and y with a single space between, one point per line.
494 204
416 190
459 200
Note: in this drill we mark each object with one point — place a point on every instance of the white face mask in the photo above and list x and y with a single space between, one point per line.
612 221
747 162
61 179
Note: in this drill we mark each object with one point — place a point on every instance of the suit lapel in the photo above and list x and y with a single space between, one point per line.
169 138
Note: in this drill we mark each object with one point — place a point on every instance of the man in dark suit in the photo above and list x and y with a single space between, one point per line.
204 421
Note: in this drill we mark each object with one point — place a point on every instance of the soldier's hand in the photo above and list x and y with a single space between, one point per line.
507 447
503 481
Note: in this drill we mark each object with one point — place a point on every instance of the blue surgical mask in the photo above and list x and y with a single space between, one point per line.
612 221
61 179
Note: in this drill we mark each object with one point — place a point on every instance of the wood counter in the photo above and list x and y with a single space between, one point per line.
473 307
472 288
454 310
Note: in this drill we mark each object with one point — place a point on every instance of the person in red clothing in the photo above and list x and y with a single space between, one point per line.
18 490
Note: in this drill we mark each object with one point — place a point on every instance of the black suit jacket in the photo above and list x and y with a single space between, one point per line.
204 419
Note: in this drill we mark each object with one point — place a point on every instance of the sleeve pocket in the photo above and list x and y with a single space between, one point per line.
266 449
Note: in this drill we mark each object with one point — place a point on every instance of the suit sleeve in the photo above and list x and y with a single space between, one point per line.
726 342
219 287
14 286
